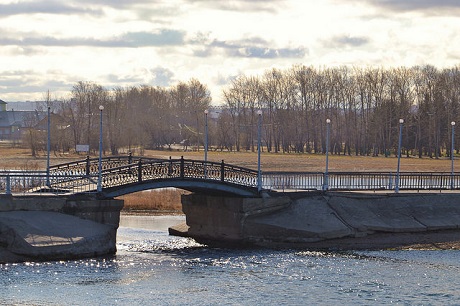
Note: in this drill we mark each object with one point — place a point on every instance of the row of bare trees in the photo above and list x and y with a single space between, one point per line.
134 117
364 106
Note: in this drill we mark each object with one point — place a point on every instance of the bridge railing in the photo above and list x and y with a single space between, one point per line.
360 181
90 166
26 182
178 169
118 171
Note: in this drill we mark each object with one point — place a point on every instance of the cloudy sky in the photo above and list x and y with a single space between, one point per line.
52 44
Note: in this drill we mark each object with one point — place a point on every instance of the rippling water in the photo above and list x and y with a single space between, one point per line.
154 268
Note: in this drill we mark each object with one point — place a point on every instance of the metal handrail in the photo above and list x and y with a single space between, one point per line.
81 176
361 180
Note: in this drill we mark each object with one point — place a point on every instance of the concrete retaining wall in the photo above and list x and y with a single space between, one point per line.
318 217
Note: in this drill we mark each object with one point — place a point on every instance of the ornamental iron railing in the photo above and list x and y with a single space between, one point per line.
82 177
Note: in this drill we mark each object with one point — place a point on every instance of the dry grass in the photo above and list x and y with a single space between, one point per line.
18 158
314 162
154 200
169 199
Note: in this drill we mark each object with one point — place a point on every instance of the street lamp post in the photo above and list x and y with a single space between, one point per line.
206 135
401 122
452 156
48 149
326 173
259 132
99 179
205 141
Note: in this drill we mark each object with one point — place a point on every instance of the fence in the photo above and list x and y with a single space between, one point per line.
360 181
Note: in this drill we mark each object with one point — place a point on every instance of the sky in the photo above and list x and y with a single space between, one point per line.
50 45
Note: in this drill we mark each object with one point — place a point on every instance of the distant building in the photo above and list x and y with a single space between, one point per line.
13 122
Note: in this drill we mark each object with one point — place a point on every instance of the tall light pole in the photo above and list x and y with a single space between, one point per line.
259 132
205 141
48 149
326 173
205 135
99 179
401 122
452 156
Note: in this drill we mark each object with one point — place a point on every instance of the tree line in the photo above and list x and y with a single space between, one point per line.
136 117
364 106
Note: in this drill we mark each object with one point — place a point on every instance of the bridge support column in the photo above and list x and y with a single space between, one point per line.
57 227
222 219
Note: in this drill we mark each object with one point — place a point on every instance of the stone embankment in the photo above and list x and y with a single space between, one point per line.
56 227
326 220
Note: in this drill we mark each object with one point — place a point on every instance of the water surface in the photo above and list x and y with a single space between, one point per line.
152 268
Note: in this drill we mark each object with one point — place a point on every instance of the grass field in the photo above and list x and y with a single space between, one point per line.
169 199
19 158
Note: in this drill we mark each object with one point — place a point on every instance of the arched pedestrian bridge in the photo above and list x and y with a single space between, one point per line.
126 174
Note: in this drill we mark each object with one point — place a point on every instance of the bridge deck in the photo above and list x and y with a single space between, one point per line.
128 174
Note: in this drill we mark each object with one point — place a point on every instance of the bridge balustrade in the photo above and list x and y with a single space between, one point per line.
178 169
82 177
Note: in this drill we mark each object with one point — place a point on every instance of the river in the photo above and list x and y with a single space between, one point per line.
153 268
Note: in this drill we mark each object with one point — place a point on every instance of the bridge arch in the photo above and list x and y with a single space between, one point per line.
193 185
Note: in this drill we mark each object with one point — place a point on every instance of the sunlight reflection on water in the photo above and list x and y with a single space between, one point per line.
154 268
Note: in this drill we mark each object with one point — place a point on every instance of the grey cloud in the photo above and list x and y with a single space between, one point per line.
28 81
116 79
121 3
431 7
346 40
242 5
45 7
162 76
266 53
164 37
145 9
225 80
252 48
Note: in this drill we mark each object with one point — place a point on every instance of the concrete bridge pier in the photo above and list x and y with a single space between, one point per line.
44 227
220 219
324 220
